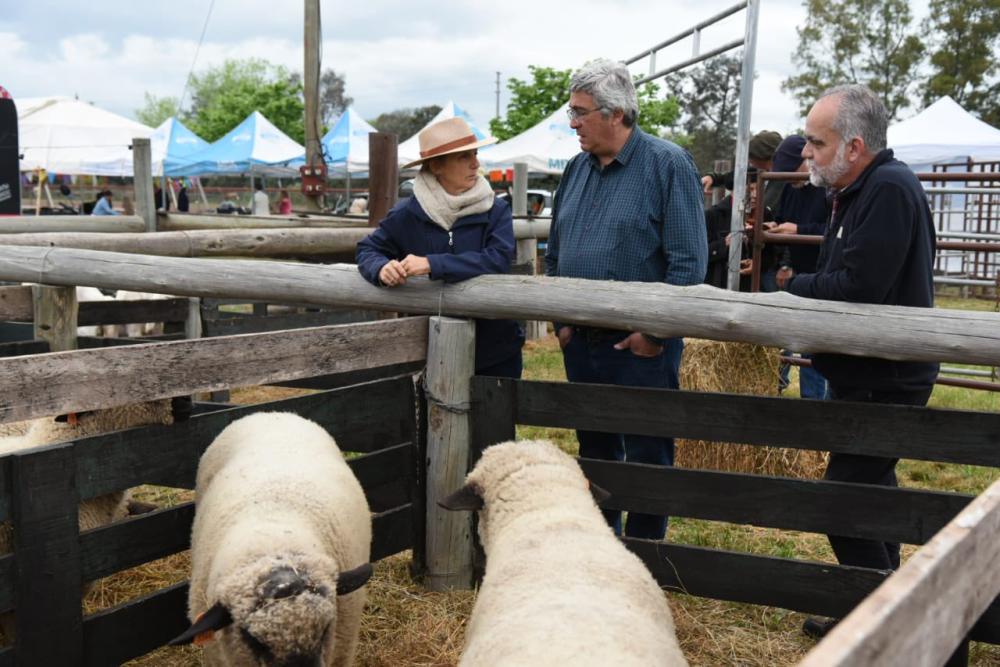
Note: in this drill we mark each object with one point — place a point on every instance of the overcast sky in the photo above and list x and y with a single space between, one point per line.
394 54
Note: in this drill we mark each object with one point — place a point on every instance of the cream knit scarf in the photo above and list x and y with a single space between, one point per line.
445 209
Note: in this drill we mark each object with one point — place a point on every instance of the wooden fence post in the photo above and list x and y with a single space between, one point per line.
383 175
450 365
55 316
527 249
48 617
142 177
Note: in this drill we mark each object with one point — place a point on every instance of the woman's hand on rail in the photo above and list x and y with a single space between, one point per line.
392 274
416 266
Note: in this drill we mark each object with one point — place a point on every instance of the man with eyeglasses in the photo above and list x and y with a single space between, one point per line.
629 208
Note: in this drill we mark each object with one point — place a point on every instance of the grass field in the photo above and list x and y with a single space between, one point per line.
405 625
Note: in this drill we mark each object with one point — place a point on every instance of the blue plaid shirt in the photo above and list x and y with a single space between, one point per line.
641 218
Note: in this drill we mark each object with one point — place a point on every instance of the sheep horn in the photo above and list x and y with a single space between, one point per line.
214 619
351 580
465 498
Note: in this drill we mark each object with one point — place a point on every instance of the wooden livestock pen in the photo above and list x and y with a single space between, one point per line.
41 488
465 414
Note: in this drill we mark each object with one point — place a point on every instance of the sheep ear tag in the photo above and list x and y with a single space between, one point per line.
204 627
599 494
352 580
465 499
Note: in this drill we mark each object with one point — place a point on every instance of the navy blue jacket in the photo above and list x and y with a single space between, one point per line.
477 244
878 248
808 208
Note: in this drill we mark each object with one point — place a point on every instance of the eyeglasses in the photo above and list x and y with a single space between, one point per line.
576 113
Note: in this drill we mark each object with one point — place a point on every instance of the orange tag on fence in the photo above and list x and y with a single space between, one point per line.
72 419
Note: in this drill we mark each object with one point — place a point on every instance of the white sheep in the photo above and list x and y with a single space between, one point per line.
95 512
279 547
559 588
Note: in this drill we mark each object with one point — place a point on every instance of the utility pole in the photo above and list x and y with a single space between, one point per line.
497 115
314 154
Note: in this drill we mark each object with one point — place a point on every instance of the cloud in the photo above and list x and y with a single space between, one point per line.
394 54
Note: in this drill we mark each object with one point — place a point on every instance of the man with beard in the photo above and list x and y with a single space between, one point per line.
878 248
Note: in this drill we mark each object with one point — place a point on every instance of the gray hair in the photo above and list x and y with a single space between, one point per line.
610 84
861 114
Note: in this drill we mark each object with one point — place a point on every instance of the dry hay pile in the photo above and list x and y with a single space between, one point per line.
739 368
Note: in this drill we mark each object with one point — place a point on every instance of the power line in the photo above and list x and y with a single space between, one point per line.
187 81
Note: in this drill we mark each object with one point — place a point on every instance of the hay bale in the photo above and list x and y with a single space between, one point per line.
739 368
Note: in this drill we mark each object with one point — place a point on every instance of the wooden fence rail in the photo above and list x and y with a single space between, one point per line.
890 332
59 383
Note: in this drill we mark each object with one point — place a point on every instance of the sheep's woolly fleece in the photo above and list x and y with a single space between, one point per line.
274 491
559 589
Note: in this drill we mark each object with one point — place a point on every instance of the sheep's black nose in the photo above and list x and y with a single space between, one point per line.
282 582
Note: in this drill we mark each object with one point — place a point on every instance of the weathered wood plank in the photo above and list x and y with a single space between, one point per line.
778 319
54 316
110 549
354 377
229 326
954 436
142 168
128 312
16 302
904 515
450 364
920 614
493 414
392 532
48 557
813 588
136 627
58 383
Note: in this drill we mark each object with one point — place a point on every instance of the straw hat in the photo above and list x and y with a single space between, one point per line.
449 136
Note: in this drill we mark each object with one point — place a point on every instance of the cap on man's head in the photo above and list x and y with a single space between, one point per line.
763 144
788 157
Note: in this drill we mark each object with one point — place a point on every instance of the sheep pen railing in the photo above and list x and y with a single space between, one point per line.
41 488
908 516
770 319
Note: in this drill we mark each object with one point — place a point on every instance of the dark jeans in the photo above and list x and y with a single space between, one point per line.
590 357
868 470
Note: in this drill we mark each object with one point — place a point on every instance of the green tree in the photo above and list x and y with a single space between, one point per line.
656 113
857 41
155 110
532 101
709 95
963 64
404 123
223 96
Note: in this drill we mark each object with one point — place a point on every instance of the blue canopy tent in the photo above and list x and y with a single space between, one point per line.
255 146
171 143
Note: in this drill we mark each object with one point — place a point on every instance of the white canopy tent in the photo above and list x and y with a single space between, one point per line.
409 150
943 132
545 148
66 136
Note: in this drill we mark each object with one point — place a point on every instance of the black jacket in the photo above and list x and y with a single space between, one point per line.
878 248
808 208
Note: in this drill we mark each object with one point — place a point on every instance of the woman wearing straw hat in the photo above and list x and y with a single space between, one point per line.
451 229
